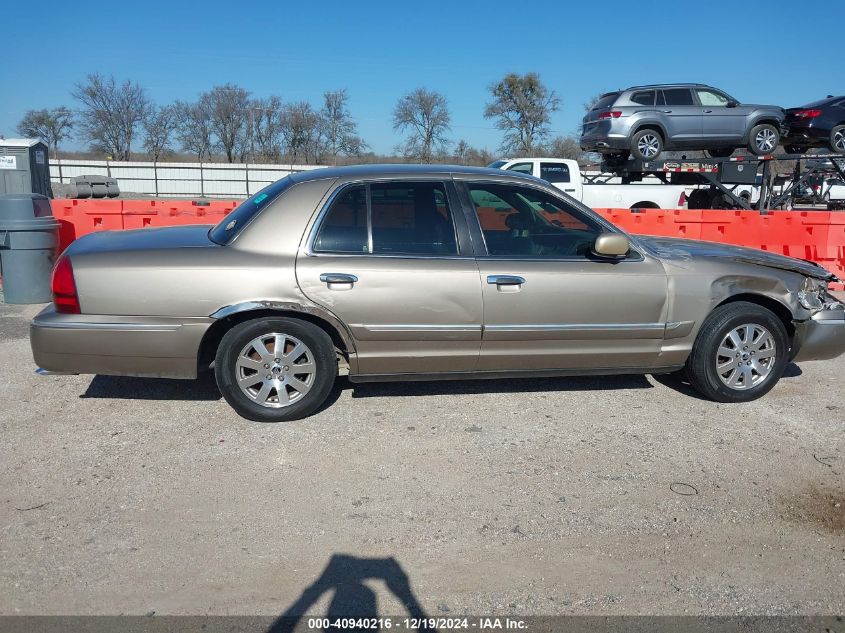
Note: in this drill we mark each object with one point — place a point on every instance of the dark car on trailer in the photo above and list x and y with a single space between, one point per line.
817 124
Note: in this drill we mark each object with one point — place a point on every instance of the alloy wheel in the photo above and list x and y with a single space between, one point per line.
766 140
275 370
746 356
839 140
648 145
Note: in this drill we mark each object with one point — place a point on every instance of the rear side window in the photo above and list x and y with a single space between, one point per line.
554 172
645 97
677 97
344 229
235 222
403 218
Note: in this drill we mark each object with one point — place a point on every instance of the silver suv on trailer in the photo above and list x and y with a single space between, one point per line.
645 120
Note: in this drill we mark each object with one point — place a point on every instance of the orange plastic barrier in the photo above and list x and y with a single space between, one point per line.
815 235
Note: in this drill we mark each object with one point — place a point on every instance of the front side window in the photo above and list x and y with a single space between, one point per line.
711 98
554 172
403 218
677 97
523 168
524 222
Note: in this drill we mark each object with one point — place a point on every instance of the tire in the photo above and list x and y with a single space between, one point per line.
305 392
721 152
795 149
646 144
837 139
714 340
763 139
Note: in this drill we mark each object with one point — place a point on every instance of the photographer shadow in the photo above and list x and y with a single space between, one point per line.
345 576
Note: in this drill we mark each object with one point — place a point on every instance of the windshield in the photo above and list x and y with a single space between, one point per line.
497 164
605 101
235 222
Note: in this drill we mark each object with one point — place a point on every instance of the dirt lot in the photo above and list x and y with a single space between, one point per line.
592 496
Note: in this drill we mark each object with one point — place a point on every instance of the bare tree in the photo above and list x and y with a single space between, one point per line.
300 130
426 114
266 123
461 151
51 126
111 113
228 110
522 107
338 130
193 128
159 128
564 147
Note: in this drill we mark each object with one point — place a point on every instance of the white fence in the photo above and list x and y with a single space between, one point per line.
212 180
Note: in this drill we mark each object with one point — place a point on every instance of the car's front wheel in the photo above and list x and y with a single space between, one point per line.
275 369
764 139
739 354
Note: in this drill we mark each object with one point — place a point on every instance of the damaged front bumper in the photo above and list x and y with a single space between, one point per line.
822 336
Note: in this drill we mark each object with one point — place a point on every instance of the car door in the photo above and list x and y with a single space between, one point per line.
680 115
548 303
391 260
720 122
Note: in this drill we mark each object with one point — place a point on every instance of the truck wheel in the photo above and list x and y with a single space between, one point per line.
837 139
646 144
275 369
721 152
739 354
763 139
795 149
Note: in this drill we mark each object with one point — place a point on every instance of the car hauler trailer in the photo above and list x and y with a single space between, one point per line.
717 179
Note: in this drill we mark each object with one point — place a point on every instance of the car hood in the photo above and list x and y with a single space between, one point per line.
190 236
677 249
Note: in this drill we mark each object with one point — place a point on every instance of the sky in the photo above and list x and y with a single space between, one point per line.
379 51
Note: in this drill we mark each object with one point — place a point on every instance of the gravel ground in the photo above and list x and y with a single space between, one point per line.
606 495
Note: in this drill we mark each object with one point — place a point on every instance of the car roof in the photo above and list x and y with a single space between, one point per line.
678 85
400 170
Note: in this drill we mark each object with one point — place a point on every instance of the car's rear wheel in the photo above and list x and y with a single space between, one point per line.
720 152
275 369
646 145
764 139
837 139
739 354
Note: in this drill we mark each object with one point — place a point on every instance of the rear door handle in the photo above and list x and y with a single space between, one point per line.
708 111
505 280
569 190
668 111
338 278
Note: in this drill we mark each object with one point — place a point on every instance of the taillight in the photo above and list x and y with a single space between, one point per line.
808 114
610 114
64 287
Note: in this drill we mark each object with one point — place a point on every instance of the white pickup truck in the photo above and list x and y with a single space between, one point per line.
565 174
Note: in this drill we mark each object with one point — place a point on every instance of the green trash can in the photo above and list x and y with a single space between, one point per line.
29 236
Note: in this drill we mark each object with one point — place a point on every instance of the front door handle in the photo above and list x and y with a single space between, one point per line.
569 190
708 111
668 111
505 280
338 278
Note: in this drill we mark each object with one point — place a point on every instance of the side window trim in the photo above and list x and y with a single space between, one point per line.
463 237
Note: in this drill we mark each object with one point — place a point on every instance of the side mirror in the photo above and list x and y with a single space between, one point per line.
731 104
611 246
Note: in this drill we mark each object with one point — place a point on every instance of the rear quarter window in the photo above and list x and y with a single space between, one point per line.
231 226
